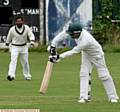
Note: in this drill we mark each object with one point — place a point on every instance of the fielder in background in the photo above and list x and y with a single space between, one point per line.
17 40
92 53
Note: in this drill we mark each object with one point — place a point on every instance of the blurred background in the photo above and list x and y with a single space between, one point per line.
47 18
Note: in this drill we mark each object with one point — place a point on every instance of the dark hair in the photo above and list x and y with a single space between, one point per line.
19 17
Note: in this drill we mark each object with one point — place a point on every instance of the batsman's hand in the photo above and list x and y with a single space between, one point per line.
54 58
7 44
52 50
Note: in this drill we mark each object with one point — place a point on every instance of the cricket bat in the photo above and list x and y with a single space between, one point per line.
46 78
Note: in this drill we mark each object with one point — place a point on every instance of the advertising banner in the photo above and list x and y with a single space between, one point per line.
62 12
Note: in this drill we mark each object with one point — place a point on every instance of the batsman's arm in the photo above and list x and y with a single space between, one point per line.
60 37
75 50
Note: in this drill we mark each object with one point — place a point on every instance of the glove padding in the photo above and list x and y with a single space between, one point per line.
54 58
52 50
7 44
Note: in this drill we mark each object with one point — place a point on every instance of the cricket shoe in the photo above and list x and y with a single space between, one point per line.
28 78
89 98
10 78
113 101
82 100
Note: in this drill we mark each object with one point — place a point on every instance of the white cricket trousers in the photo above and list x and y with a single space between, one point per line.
86 65
22 52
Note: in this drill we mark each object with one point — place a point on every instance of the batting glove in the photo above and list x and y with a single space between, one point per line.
54 58
7 44
52 50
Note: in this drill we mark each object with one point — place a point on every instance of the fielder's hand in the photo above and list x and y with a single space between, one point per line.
52 50
54 58
33 44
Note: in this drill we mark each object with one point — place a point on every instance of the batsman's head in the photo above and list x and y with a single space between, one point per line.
74 30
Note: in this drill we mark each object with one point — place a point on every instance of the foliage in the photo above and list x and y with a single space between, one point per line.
105 31
111 48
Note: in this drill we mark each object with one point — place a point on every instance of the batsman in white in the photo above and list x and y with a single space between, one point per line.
92 53
17 40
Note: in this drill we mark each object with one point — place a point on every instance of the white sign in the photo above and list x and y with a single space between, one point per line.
27 12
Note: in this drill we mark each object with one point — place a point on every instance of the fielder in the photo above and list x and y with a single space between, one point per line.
17 39
92 53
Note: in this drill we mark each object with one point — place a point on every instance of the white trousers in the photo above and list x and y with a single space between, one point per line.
86 67
22 52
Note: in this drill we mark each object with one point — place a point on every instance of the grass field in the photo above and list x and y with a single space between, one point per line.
63 91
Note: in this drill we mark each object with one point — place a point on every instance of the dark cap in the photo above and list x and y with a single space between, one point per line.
74 27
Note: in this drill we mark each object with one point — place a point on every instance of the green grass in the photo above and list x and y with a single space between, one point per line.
63 91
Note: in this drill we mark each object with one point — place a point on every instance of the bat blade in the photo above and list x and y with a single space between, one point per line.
46 78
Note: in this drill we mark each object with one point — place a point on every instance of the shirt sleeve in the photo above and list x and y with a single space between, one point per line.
31 36
75 50
60 37
82 43
9 36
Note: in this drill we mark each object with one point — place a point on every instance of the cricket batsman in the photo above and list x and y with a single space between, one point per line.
92 54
